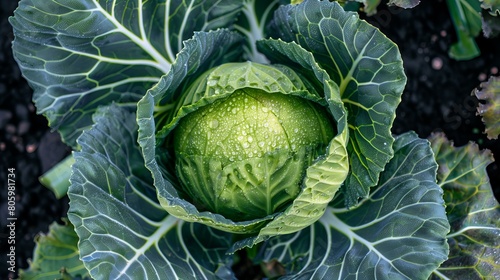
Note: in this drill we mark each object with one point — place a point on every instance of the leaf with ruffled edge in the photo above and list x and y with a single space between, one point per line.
397 232
493 6
78 55
490 109
56 256
123 230
368 69
472 210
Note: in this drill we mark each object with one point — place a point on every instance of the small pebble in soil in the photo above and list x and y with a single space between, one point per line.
437 63
31 148
482 77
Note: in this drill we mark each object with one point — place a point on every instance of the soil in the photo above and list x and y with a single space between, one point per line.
437 98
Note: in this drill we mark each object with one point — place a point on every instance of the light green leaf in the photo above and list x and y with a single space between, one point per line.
124 232
57 178
368 69
78 55
490 109
56 256
472 210
397 232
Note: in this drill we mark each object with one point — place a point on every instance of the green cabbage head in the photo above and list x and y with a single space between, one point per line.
249 148
255 146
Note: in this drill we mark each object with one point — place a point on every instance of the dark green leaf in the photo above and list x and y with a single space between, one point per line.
80 54
124 232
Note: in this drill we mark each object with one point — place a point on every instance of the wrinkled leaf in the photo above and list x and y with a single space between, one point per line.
368 69
78 55
491 24
406 4
472 210
493 6
490 109
370 6
124 232
56 256
397 232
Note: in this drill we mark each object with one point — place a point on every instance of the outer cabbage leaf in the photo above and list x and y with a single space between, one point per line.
78 55
490 109
368 69
472 210
56 256
397 232
124 232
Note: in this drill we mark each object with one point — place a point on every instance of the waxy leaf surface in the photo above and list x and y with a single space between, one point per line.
78 55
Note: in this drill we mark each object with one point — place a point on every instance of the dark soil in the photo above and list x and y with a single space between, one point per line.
437 98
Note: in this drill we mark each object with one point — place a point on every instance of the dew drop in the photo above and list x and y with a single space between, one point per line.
211 82
250 139
246 145
214 124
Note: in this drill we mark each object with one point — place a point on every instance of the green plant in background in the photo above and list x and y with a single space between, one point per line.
205 128
470 17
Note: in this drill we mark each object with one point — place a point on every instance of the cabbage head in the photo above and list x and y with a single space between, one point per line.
244 147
